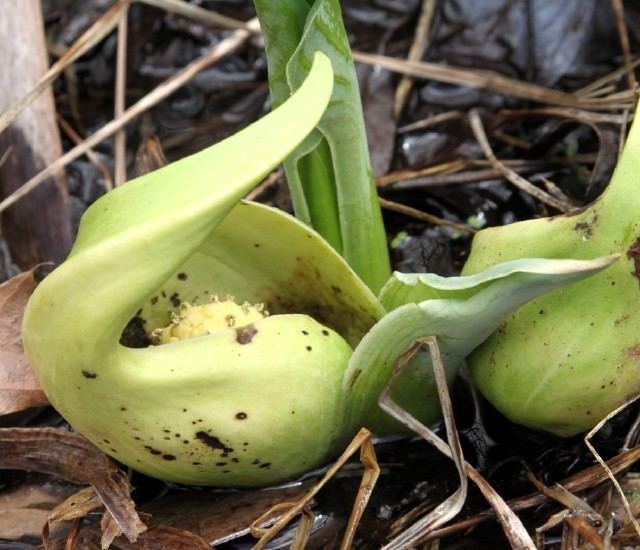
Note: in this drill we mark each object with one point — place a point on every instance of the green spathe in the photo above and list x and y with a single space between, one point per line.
252 405
567 359
162 410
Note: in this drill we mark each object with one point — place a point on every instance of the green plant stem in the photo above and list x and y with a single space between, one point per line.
329 175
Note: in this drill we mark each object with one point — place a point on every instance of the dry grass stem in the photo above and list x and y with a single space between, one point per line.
430 121
419 44
94 34
627 116
102 27
512 176
402 175
290 510
632 434
490 80
624 42
120 172
554 190
5 156
91 154
180 7
564 112
164 90
586 479
303 532
423 216
466 177
563 496
610 474
450 507
592 88
267 183
511 140
420 531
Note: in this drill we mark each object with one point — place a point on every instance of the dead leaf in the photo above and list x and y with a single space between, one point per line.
19 387
161 537
76 506
24 510
70 456
194 516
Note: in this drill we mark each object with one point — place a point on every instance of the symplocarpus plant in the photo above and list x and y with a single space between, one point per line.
567 359
267 352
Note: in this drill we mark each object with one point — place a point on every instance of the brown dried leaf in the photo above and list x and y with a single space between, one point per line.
110 530
201 514
70 456
24 510
76 506
19 387
149 156
215 519
161 537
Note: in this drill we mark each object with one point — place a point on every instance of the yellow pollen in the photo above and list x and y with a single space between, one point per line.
192 321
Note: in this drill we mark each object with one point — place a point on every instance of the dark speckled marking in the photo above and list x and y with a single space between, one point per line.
634 254
168 457
265 465
89 374
241 415
244 335
182 276
175 299
154 300
325 332
212 441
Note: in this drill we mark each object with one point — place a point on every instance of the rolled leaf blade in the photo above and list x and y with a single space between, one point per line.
340 202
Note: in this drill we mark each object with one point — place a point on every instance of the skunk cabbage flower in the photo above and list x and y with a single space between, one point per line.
567 359
269 352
